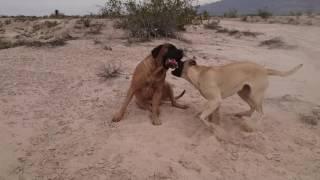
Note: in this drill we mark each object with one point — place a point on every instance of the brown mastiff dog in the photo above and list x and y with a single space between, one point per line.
148 82
215 83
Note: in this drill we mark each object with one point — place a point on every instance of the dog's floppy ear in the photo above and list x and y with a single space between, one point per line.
155 52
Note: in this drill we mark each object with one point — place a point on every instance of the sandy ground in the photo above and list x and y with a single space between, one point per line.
55 112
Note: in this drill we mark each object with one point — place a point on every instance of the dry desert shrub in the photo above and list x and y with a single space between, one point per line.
97 41
86 22
95 29
250 33
233 32
7 21
107 48
223 30
214 24
110 70
313 118
92 28
274 43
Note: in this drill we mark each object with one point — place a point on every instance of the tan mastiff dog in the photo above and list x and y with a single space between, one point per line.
215 83
148 82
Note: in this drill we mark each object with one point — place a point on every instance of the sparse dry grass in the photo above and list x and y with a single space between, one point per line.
214 25
235 32
46 24
83 23
95 29
6 44
50 24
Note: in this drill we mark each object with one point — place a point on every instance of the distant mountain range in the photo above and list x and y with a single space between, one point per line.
278 7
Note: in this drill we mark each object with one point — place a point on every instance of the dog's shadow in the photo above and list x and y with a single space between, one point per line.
231 127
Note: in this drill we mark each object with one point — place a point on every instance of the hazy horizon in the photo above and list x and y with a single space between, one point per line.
46 7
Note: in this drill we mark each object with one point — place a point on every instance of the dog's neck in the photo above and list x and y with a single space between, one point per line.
192 76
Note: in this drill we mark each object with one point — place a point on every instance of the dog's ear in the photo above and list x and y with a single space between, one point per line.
155 52
193 62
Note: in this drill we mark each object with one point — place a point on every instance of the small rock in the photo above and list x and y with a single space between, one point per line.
310 119
21 159
107 48
269 156
234 156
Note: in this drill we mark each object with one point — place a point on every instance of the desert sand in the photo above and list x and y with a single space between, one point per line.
55 112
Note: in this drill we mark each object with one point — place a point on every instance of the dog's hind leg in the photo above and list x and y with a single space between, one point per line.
169 91
156 100
211 106
254 98
244 93
257 98
215 116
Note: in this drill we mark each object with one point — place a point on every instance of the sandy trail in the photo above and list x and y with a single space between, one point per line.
55 113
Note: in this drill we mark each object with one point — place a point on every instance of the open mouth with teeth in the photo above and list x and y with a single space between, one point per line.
172 63
178 70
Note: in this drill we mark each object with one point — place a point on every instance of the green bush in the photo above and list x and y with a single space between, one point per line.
264 13
112 8
295 13
232 13
153 18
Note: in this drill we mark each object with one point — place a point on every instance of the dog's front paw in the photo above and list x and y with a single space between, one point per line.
117 117
156 121
246 127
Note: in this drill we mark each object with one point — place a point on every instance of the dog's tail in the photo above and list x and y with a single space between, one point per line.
273 72
180 95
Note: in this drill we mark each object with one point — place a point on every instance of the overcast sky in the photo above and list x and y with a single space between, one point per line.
45 7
